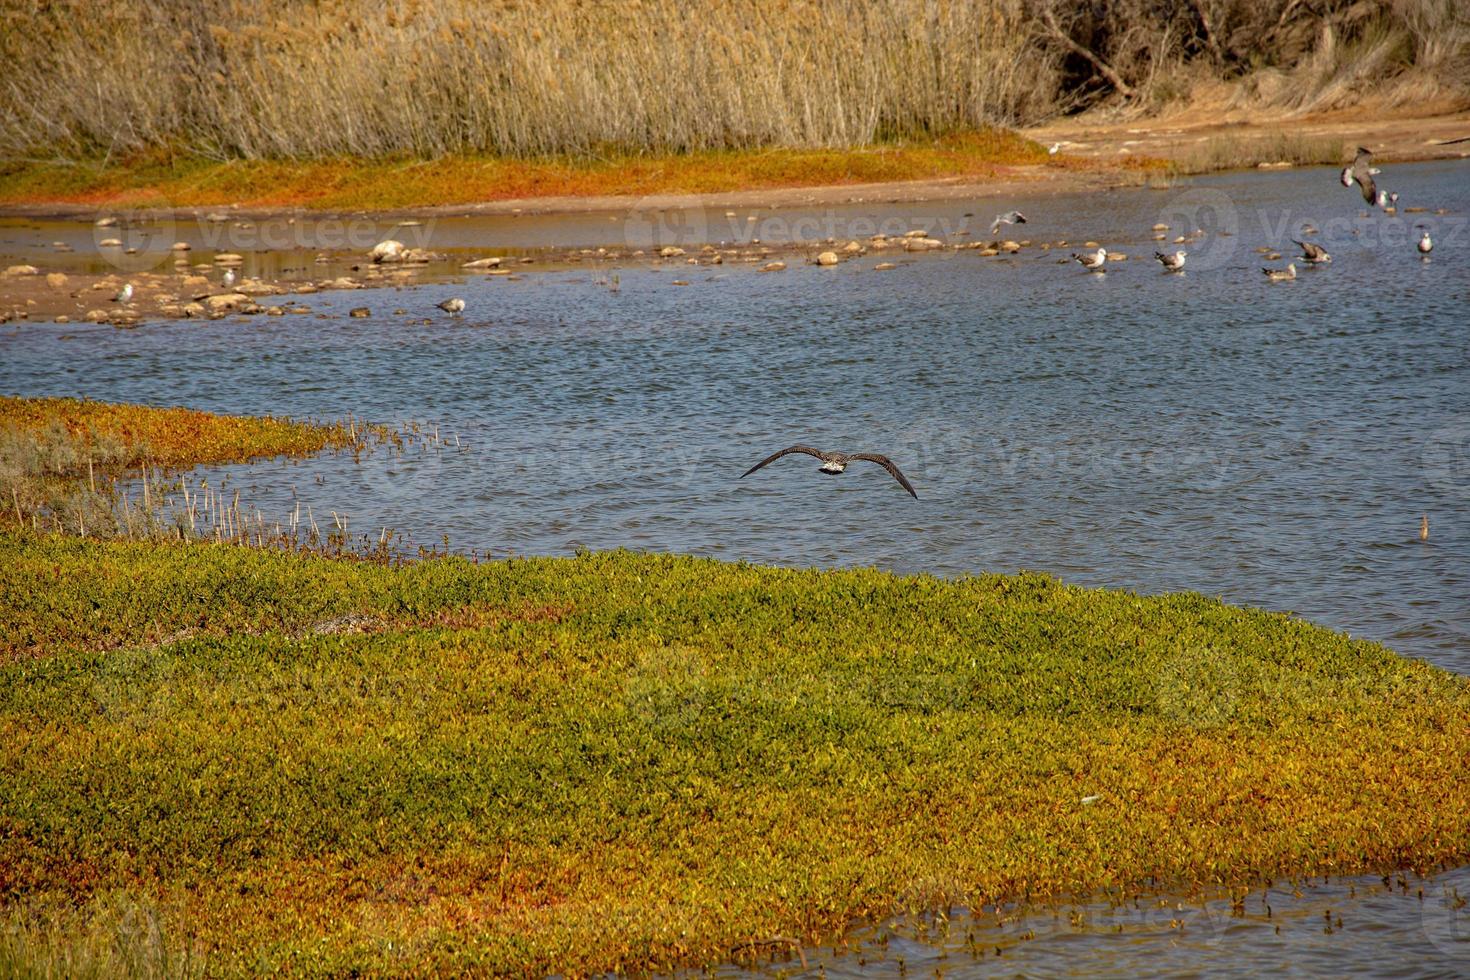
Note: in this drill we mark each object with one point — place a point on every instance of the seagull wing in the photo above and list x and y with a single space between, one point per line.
785 452
1363 174
892 469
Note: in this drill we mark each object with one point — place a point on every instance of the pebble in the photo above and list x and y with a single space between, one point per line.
110 243
20 270
359 312
106 222
181 247
773 267
827 258
884 267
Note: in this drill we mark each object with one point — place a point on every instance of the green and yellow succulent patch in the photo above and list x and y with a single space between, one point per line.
284 762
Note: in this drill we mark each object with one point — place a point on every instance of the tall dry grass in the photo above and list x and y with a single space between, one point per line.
253 79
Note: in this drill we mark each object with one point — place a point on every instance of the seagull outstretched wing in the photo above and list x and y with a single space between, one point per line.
798 448
892 469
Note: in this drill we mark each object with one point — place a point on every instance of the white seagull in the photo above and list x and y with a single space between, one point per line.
1009 218
229 277
126 293
1095 261
1171 263
1426 244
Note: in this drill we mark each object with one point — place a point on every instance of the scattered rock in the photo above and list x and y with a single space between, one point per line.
97 316
1270 257
884 267
670 251
772 267
341 282
305 288
181 247
827 258
916 233
1011 247
493 262
63 319
229 258
193 310
1117 257
110 243
988 251
853 248
105 222
195 281
360 312
1089 244
679 282
216 216
912 244
16 271
1161 227
225 301
254 287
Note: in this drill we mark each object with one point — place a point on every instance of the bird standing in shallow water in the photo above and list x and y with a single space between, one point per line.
453 306
1171 263
1426 244
834 464
1096 261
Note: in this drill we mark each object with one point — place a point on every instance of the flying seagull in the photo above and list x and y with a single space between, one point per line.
1281 275
1312 252
835 463
454 305
1362 172
1171 263
126 293
1009 218
1096 261
1426 244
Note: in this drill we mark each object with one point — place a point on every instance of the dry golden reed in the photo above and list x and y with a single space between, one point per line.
250 79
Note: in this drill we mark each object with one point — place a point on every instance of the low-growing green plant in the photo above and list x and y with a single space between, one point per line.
622 761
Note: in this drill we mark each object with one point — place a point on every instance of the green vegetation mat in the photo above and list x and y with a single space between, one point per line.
281 762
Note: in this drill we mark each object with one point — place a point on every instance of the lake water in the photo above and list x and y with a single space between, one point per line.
1273 444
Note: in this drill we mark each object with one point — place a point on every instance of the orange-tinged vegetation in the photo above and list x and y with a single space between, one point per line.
162 180
629 762
131 435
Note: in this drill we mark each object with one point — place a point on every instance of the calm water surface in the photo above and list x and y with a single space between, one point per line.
1271 444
